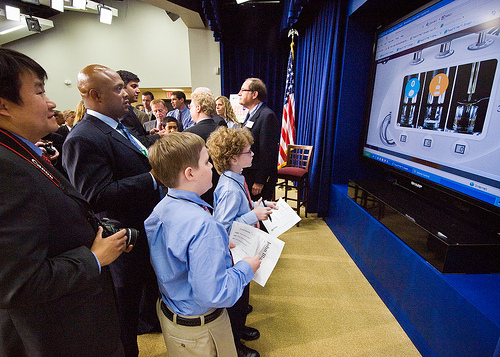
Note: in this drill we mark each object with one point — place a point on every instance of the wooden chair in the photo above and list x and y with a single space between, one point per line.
298 158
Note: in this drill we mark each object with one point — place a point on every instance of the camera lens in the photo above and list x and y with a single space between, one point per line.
131 236
111 226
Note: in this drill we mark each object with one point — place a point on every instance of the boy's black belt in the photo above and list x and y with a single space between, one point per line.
186 321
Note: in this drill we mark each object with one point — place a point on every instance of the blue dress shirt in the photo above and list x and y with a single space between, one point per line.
231 201
186 119
190 255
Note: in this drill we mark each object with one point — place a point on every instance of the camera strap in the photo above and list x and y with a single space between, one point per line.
17 146
12 143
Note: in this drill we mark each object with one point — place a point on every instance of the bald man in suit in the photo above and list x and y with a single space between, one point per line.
109 166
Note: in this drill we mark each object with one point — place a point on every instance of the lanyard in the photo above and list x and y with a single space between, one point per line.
247 193
239 184
12 143
188 200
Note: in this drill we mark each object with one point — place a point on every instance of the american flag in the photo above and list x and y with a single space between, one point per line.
288 121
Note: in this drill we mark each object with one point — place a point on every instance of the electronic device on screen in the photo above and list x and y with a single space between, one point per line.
434 113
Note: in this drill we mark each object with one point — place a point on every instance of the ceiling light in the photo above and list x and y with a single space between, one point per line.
80 4
105 14
12 13
241 1
57 5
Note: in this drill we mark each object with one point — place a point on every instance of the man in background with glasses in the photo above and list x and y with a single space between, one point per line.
262 176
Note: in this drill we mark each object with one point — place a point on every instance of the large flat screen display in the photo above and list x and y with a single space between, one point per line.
435 106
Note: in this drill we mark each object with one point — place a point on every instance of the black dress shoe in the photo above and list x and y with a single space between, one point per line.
249 309
244 351
249 333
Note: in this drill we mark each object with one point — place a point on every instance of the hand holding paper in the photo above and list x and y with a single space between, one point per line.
281 219
261 212
254 262
249 242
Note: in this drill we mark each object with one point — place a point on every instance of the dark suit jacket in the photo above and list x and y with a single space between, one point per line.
204 128
142 115
151 116
53 301
219 120
266 135
57 139
132 122
114 177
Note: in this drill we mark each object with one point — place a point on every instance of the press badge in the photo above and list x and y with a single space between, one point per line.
249 124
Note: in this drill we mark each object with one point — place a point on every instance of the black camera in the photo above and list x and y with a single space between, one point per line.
111 226
49 149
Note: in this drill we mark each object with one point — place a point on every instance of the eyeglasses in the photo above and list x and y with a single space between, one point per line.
250 152
246 90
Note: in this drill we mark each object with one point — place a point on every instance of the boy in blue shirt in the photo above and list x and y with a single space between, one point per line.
190 253
230 152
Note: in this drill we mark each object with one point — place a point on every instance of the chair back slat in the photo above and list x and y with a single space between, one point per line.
299 156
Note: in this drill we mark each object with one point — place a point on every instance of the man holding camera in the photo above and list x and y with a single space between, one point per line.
56 291
109 166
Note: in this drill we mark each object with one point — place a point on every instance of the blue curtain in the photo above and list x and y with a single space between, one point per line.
318 65
291 12
252 46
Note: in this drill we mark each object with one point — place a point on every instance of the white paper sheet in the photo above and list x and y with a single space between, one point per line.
250 241
281 219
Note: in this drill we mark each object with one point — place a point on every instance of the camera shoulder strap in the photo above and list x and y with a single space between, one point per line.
17 146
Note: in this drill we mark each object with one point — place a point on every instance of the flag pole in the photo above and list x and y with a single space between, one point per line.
288 119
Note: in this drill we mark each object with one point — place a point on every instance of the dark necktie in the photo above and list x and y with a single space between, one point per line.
246 118
180 116
124 130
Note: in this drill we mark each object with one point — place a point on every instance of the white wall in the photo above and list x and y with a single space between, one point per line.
142 39
203 49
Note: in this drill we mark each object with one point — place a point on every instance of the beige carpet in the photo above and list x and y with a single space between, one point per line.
316 303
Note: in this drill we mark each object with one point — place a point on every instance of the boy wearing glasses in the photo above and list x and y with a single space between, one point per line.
230 152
